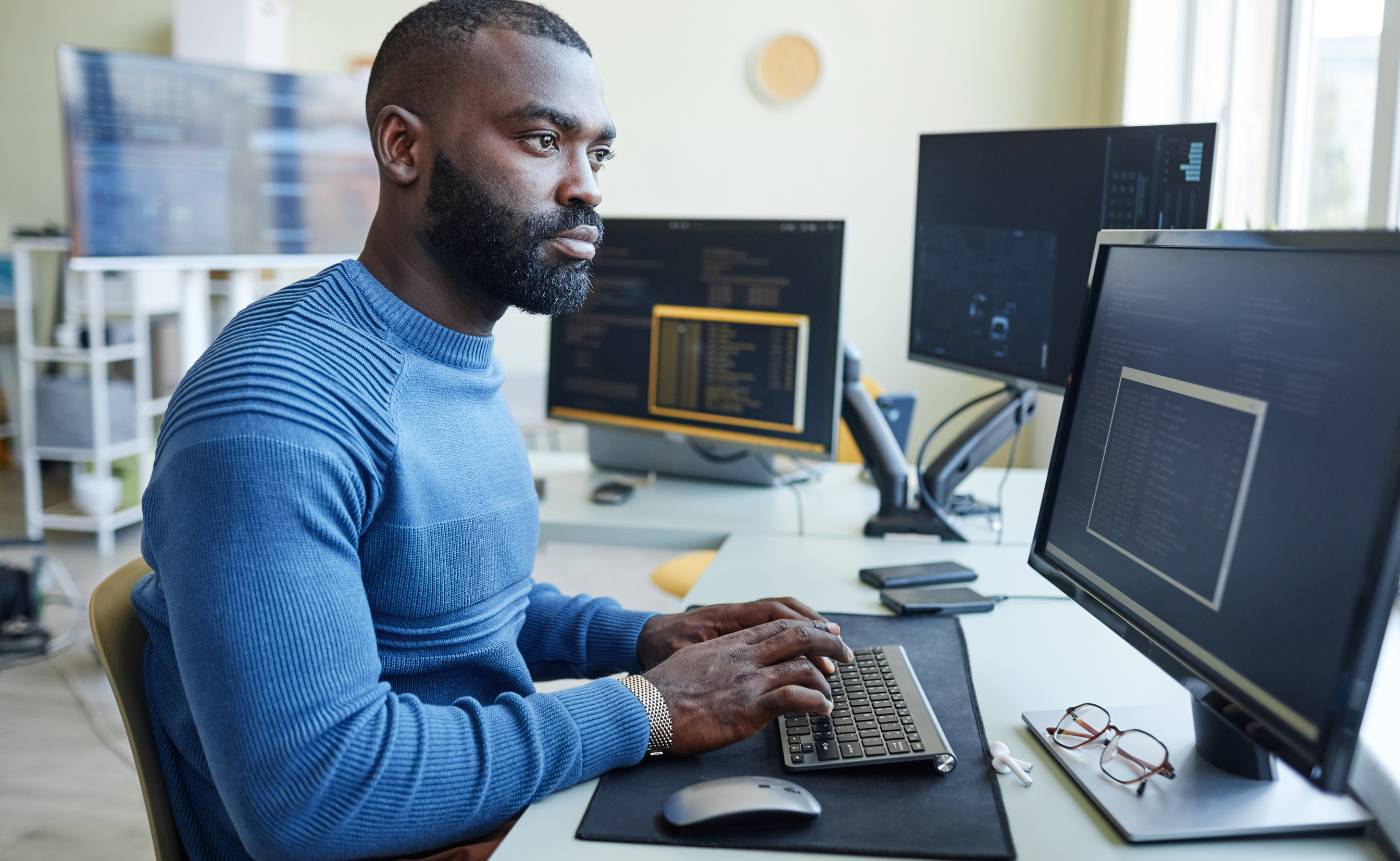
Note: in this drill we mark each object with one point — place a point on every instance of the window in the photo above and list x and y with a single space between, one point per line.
1304 92
1331 112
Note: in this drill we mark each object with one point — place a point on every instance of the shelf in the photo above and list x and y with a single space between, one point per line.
115 451
66 515
114 353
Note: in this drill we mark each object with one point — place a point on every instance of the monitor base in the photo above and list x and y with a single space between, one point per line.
1204 801
915 521
646 451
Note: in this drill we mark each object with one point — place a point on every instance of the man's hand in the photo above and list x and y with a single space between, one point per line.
726 689
662 635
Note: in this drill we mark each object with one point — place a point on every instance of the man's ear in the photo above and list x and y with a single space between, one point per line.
402 144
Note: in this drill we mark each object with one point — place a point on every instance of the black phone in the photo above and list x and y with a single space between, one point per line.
923 574
924 599
611 493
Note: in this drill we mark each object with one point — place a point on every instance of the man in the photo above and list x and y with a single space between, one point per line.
342 525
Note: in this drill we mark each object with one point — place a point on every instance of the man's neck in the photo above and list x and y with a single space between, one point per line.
407 269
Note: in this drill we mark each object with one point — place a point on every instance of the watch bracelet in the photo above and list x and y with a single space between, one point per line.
658 715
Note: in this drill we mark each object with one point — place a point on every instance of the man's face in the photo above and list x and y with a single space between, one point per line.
511 197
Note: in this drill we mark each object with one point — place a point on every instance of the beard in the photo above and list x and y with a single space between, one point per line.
499 250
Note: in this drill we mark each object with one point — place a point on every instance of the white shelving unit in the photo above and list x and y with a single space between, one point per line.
145 286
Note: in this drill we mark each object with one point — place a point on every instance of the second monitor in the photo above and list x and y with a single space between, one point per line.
705 345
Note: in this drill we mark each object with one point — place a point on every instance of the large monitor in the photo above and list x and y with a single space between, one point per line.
172 158
722 332
1004 232
1224 491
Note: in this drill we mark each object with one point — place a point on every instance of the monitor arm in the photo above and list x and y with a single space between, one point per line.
886 462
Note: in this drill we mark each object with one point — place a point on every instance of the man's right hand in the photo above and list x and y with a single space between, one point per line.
724 690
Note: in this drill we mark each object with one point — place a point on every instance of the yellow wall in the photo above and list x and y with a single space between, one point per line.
694 139
31 155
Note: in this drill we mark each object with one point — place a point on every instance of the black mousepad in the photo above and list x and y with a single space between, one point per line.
901 810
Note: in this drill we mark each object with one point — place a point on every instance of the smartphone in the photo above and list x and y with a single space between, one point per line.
925 599
923 574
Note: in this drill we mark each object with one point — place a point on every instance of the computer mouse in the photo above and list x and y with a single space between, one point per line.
612 493
751 800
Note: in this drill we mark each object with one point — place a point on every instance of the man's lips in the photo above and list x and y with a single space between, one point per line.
580 242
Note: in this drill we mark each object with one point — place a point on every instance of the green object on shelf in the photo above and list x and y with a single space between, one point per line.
128 469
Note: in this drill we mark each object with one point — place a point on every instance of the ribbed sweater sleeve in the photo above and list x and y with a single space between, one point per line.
312 753
578 636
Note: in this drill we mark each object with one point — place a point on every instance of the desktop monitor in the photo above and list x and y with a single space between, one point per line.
1224 491
172 158
719 333
1004 232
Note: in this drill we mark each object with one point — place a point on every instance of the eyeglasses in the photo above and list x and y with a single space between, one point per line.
1130 756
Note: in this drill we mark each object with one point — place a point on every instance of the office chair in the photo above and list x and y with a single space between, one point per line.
679 574
121 645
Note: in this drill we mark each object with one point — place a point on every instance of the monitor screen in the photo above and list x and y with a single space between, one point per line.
173 158
1005 227
722 330
1225 475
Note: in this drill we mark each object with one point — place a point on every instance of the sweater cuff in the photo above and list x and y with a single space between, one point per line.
612 725
612 637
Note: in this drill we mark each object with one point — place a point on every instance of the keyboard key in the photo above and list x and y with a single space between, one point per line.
808 747
871 734
866 724
898 746
916 747
827 750
851 750
874 751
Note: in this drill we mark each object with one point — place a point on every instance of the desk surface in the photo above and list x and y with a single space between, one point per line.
1008 650
689 514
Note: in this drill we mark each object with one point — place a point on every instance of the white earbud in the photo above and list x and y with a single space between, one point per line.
1003 762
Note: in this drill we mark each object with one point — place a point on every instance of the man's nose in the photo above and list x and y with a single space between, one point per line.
579 185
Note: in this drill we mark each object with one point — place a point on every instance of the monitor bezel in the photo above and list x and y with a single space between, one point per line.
1043 384
756 440
1325 762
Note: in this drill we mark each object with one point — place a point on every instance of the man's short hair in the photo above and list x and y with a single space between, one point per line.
418 54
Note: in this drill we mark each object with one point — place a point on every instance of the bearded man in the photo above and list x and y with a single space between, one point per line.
341 523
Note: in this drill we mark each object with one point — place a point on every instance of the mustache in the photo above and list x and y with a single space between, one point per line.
567 218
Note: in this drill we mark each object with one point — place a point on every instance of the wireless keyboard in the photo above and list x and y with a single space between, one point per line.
880 715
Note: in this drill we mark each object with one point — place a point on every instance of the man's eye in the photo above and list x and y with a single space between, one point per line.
601 155
544 140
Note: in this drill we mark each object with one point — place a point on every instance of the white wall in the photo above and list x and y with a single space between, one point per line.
695 141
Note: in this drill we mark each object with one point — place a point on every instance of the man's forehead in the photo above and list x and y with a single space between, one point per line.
511 75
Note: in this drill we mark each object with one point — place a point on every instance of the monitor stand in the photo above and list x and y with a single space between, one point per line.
1206 800
889 470
648 451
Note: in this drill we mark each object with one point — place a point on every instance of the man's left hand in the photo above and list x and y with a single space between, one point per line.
662 635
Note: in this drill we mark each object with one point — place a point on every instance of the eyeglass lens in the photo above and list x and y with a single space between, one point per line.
1081 725
1132 755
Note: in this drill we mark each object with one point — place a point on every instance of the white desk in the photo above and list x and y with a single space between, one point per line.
688 514
1024 655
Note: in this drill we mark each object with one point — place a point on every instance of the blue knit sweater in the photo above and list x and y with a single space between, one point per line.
343 627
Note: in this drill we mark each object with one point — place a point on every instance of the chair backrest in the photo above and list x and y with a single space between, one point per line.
121 646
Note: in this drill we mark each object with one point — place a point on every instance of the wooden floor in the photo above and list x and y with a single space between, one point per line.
67 786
